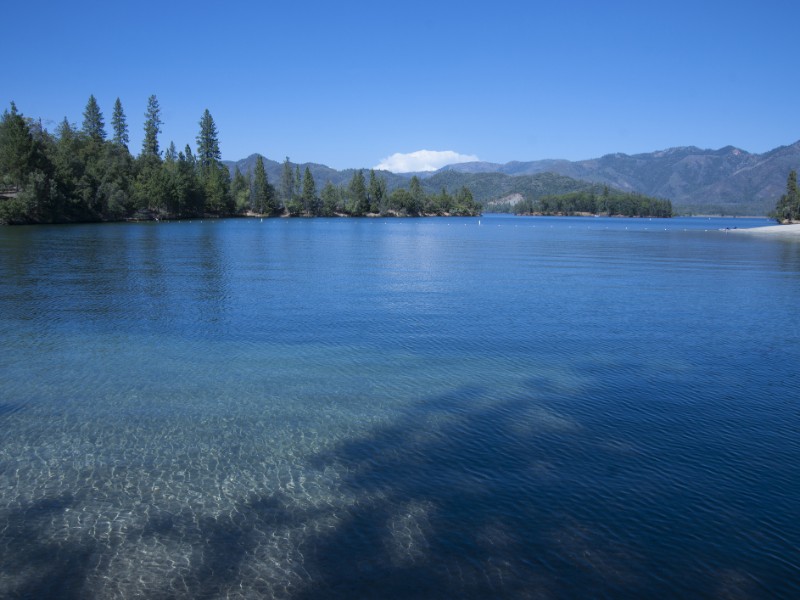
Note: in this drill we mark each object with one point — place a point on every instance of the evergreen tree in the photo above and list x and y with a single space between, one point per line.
792 196
287 183
401 201
464 203
358 204
93 126
376 192
417 195
787 209
187 179
439 204
150 189
216 185
26 168
87 189
152 127
171 154
298 183
309 195
17 148
190 159
66 157
115 181
177 183
331 199
214 176
208 154
240 191
120 125
263 197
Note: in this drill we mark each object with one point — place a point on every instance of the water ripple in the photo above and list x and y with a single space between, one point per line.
344 408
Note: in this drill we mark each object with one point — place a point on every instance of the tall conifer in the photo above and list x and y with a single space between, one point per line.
357 192
152 127
309 195
287 182
263 195
93 125
119 124
208 154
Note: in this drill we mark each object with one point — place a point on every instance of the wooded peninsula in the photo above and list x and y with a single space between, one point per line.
591 202
79 175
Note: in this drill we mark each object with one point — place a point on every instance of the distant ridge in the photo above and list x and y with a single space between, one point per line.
729 180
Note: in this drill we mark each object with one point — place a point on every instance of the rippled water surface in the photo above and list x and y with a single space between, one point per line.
430 408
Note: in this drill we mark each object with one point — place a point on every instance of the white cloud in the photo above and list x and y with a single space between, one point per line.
423 160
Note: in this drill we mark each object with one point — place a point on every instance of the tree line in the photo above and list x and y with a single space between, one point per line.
79 174
596 202
296 195
787 209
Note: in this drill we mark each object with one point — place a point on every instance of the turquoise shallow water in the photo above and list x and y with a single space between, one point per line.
495 407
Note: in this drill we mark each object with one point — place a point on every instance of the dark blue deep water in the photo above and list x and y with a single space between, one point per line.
502 407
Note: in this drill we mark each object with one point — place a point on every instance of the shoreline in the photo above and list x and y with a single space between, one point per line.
780 230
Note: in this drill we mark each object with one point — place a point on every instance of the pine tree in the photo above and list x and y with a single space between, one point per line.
263 198
187 171
120 125
240 191
214 176
190 159
331 197
465 203
171 155
287 183
298 183
208 154
93 126
357 192
792 196
24 165
17 148
376 191
309 195
787 209
152 127
417 194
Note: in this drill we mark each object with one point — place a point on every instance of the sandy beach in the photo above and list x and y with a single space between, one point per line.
793 230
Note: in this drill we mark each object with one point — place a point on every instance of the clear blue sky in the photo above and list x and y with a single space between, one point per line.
348 84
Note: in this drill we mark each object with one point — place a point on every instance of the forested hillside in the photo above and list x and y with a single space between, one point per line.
82 174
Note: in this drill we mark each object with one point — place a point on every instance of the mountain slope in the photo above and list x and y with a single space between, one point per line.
728 180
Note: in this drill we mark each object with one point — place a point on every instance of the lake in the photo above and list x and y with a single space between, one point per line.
504 407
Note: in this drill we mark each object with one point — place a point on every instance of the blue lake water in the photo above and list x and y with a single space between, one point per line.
399 408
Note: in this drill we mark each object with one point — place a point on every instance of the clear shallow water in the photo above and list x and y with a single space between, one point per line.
525 407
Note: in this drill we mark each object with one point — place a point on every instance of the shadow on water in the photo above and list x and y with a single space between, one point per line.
35 566
470 496
464 495
42 567
461 504
9 408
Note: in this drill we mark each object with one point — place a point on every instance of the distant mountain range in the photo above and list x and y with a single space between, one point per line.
725 181
729 180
